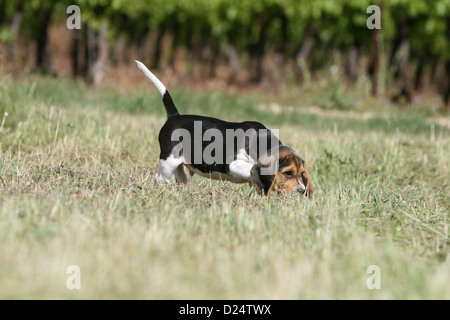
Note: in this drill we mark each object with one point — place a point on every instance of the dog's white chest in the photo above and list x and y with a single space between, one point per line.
241 167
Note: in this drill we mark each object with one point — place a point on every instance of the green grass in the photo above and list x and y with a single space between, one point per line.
76 188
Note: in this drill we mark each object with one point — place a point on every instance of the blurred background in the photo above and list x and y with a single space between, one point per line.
270 45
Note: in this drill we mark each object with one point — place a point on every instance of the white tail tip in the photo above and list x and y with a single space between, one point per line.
158 84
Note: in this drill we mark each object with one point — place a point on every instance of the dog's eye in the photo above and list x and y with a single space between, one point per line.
288 174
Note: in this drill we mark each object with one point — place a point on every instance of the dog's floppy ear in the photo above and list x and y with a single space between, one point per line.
306 179
263 176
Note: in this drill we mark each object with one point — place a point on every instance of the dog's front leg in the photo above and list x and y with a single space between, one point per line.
241 169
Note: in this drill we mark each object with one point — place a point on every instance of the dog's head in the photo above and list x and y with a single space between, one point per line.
284 171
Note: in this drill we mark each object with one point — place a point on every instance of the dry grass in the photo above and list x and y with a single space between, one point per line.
77 188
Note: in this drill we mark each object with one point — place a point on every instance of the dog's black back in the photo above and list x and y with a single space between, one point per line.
197 125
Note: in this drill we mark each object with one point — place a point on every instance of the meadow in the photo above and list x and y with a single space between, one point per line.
77 187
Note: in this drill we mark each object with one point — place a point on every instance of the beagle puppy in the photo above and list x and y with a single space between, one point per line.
240 152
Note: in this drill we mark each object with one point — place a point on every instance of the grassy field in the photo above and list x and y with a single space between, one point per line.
77 188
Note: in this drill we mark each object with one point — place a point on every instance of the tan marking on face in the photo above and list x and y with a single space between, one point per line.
287 179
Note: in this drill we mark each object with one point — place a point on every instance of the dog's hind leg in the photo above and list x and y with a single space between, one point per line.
167 167
180 176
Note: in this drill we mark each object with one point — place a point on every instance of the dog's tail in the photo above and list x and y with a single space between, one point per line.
167 99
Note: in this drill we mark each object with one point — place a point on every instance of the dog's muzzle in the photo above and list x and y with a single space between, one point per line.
300 189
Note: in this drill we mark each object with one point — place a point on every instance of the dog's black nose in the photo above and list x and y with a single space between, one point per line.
300 189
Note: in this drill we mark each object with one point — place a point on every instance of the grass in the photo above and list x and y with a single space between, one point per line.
77 188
